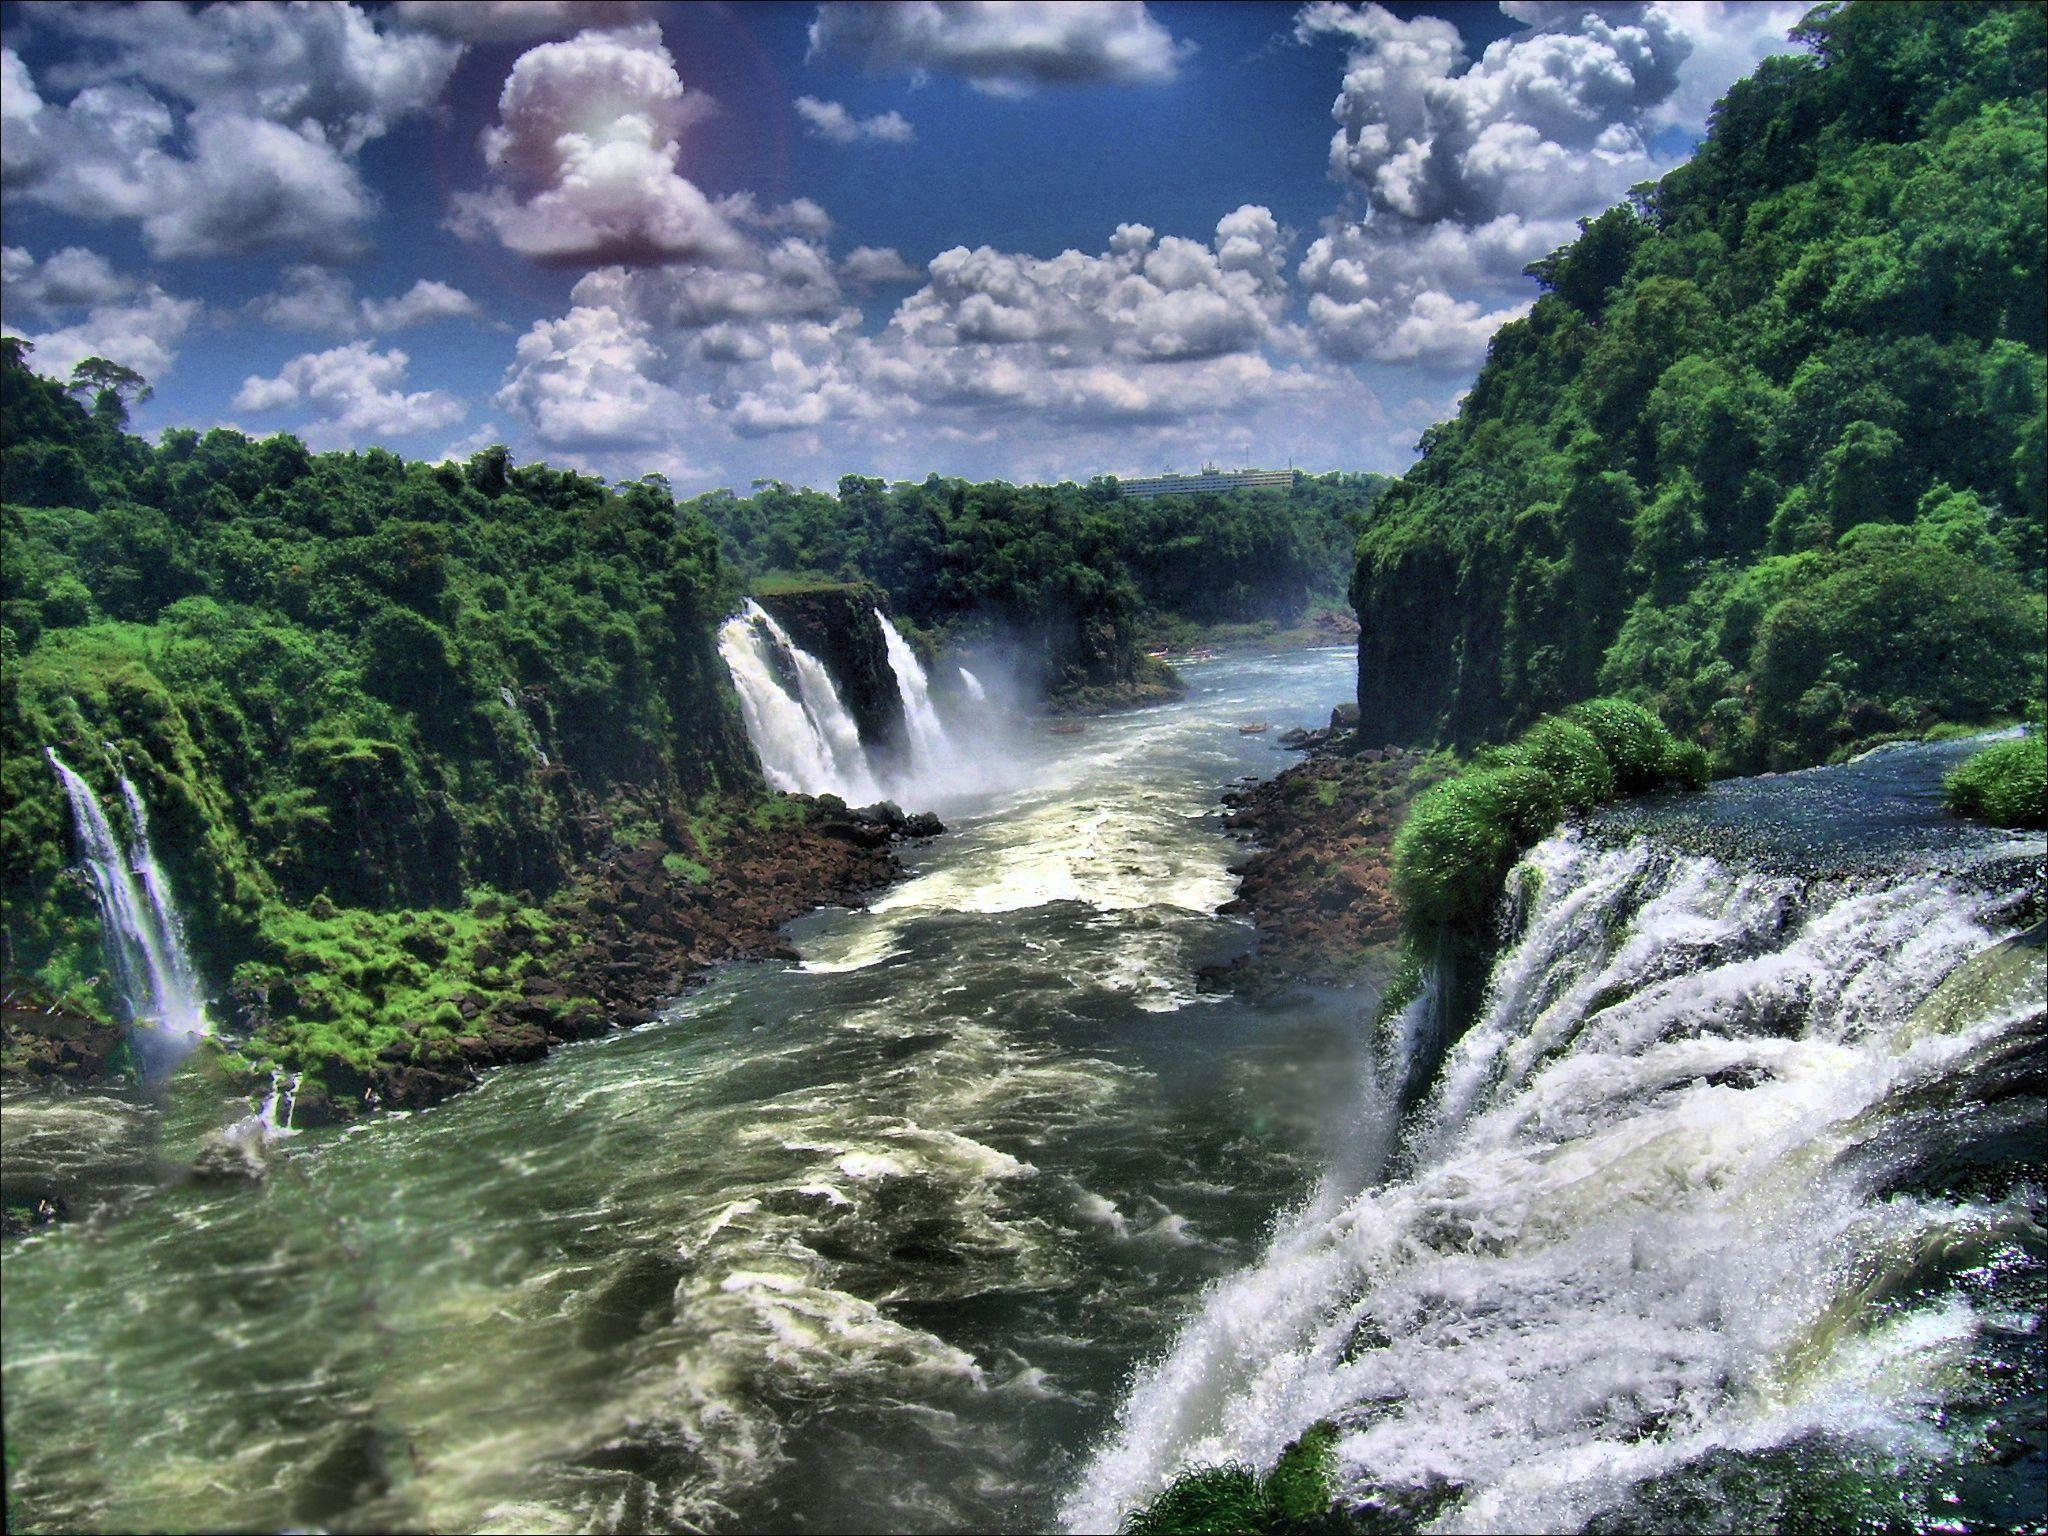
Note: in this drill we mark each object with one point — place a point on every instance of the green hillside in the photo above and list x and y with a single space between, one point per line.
1767 455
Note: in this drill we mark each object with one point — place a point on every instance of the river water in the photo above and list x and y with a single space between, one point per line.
874 1241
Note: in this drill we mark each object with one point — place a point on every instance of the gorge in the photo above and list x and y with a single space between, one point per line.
533 1001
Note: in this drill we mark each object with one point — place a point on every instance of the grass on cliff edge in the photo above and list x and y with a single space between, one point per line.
2006 784
1454 852
1217 1501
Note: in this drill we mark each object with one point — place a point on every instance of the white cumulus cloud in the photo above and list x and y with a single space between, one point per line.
584 155
219 131
1459 172
1003 46
313 298
516 21
357 394
831 121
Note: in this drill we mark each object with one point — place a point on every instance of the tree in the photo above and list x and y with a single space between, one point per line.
111 387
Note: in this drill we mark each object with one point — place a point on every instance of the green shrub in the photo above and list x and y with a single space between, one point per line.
1304 1480
1462 837
1633 739
1219 1501
1208 1501
1686 765
2005 784
1571 755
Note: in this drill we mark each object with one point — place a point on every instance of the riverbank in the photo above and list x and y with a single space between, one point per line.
636 925
1317 883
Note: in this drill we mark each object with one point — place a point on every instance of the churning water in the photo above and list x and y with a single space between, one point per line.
1732 1189
1728 1205
870 1241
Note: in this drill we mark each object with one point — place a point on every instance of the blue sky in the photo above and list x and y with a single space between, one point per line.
790 241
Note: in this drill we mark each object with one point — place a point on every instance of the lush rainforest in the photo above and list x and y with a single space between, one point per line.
1767 454
354 688
1073 577
347 685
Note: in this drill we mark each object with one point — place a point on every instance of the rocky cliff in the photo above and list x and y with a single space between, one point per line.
836 623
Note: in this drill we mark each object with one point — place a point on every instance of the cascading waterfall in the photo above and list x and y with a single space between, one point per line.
806 740
1655 1211
804 734
145 938
975 690
930 750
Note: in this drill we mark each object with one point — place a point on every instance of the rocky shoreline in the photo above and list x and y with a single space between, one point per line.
644 933
1316 884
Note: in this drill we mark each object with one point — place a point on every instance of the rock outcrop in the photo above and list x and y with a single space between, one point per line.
837 625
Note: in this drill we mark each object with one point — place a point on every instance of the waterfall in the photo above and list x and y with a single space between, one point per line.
1655 1210
511 702
145 939
806 739
930 751
975 691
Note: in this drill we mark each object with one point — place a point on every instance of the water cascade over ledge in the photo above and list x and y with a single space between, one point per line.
931 752
1680 1199
800 728
145 937
806 736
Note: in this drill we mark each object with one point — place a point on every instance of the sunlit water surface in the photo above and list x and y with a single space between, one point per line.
873 1241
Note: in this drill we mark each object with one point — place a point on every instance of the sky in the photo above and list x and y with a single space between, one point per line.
1028 241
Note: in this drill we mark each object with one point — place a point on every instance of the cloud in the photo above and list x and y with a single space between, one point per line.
425 301
1544 122
869 266
1151 333
584 381
324 67
516 21
71 278
312 298
1007 48
1459 173
583 158
220 131
125 320
830 121
356 393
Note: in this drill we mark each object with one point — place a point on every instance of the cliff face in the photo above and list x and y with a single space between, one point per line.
1766 453
837 625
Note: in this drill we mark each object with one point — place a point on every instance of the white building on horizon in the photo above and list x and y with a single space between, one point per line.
1209 478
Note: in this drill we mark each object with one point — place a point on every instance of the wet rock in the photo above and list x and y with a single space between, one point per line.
237 1155
923 824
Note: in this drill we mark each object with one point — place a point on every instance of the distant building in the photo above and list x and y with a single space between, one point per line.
1209 479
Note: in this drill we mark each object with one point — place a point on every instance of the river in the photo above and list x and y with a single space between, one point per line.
874 1241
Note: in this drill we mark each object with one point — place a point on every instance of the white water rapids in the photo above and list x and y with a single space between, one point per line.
1638 1221
145 938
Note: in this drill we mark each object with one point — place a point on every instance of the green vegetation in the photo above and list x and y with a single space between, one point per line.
1218 1501
1073 573
2005 784
1453 854
1767 455
359 696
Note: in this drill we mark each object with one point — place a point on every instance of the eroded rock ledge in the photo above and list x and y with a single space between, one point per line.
1317 881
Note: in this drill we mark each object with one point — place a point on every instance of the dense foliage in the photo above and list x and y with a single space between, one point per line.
2006 784
1223 1501
1767 455
1461 838
1075 574
348 686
